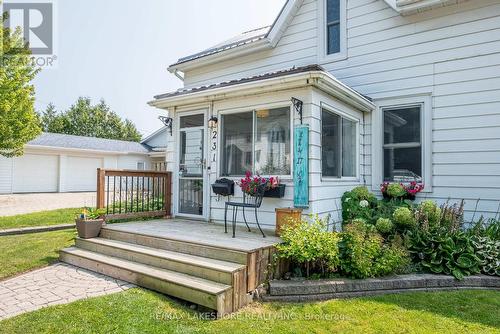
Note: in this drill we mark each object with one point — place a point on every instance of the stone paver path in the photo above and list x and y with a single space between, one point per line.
57 284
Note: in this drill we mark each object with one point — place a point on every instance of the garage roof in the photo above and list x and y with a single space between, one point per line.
88 143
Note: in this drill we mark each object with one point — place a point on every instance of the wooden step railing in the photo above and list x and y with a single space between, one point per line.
134 193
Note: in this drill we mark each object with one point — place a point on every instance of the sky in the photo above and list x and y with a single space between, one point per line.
119 50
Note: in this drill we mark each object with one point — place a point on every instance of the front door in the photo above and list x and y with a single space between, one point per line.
191 197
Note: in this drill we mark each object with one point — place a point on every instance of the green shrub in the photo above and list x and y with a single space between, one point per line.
310 247
363 253
358 203
403 217
488 252
430 211
384 225
487 228
443 252
396 190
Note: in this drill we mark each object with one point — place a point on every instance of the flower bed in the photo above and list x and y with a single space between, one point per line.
384 237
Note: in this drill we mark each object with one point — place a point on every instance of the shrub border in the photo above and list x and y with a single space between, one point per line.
311 290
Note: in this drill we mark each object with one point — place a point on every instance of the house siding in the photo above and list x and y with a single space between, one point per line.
452 53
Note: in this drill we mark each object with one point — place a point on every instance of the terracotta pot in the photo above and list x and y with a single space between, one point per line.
89 228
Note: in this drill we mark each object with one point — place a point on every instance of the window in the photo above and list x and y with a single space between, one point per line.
338 145
402 143
141 165
333 26
256 141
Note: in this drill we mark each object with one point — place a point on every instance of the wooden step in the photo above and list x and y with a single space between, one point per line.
211 269
214 295
175 245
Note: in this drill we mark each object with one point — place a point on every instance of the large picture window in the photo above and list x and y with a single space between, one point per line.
256 141
338 145
402 143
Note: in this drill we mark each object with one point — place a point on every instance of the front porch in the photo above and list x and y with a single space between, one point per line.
191 260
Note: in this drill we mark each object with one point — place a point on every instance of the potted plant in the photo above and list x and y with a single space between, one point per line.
400 190
89 222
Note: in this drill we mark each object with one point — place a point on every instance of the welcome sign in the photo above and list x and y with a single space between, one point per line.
301 166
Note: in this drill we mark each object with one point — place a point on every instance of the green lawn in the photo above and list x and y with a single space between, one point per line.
42 218
20 253
142 311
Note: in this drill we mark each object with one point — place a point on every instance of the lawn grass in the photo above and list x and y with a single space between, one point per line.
41 218
20 253
142 311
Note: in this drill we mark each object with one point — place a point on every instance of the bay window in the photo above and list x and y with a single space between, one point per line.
402 143
257 141
338 145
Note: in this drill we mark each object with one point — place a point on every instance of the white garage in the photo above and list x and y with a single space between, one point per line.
66 163
33 173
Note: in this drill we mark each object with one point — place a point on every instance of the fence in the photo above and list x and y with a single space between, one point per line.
134 193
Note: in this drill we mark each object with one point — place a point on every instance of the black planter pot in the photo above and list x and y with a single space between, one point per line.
277 192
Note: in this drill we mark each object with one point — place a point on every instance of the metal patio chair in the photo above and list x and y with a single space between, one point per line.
252 202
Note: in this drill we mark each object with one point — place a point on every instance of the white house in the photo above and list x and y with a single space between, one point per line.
390 89
66 163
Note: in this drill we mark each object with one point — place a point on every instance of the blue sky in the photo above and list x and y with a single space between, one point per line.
119 50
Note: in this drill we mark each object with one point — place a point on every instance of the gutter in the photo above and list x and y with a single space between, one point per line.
409 7
71 149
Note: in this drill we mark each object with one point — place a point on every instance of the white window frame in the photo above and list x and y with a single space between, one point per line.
143 165
349 118
253 109
425 101
323 56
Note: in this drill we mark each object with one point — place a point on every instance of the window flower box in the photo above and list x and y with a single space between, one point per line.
277 192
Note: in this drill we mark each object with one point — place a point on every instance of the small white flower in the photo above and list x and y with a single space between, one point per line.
364 203
347 199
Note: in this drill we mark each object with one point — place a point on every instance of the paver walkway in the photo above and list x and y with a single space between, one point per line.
57 284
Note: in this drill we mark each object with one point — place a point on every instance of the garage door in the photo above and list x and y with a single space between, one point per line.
35 173
81 173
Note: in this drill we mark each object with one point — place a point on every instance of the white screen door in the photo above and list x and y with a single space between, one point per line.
191 166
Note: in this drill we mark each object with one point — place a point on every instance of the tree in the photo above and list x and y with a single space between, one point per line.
18 120
85 119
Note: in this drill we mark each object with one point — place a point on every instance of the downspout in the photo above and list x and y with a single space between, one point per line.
364 151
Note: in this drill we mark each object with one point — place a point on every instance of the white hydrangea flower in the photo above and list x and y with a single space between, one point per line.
364 203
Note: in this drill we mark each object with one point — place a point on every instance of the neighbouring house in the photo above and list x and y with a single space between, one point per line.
386 90
65 163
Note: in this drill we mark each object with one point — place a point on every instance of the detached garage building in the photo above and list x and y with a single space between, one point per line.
66 163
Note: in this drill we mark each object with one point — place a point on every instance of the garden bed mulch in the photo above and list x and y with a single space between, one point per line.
310 290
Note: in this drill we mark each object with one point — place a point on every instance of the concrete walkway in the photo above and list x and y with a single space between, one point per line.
15 204
57 284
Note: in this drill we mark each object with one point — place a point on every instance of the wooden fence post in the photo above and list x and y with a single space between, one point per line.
101 180
168 194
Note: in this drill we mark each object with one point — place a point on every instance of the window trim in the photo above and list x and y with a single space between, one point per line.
253 109
323 56
357 122
143 165
425 100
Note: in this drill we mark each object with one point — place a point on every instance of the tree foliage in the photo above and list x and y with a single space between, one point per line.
85 119
18 120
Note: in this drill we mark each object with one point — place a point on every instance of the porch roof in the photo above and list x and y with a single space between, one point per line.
290 78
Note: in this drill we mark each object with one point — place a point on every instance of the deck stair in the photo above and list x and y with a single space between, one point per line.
211 275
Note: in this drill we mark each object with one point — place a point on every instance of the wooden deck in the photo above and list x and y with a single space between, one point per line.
191 260
199 232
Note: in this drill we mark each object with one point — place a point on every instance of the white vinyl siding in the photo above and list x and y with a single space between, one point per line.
5 175
451 54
